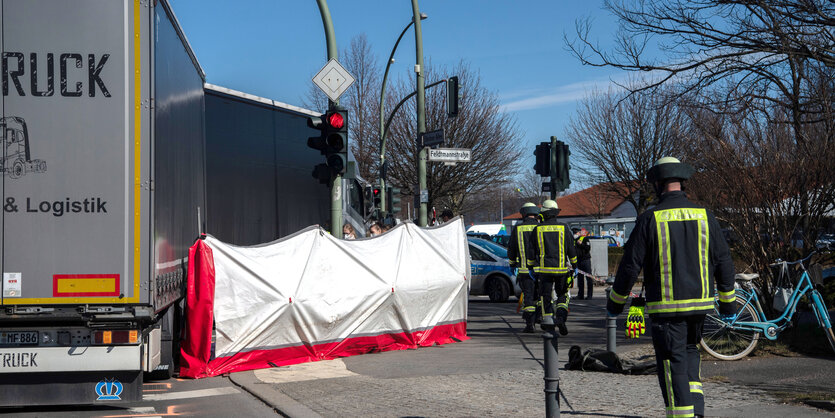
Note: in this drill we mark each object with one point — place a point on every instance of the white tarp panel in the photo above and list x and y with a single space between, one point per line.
311 296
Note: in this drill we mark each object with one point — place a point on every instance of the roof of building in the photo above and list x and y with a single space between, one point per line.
596 201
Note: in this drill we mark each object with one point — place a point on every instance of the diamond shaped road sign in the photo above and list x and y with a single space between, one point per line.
333 79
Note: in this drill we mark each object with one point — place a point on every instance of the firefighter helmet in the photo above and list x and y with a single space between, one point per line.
669 168
549 205
529 209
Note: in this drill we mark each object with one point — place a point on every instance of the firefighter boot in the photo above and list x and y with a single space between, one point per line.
559 320
529 319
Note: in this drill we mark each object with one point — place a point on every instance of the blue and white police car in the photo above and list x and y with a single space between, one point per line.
491 271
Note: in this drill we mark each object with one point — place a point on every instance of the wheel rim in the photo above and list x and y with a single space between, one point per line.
726 343
494 290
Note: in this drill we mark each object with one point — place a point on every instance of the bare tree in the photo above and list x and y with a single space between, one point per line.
761 49
618 137
529 186
480 126
761 184
758 79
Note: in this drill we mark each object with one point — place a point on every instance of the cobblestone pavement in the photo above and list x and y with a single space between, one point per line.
498 372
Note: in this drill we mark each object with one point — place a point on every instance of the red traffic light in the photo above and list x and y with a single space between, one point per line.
336 120
376 191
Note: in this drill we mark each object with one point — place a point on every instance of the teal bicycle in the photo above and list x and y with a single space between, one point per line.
735 339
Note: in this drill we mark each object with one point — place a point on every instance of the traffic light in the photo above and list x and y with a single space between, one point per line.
376 207
560 175
332 142
452 96
368 201
543 159
376 197
393 199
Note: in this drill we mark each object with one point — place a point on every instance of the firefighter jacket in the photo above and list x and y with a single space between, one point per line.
683 254
551 247
583 248
516 251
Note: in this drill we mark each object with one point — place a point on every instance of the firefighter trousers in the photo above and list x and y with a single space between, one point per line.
677 356
583 280
530 295
560 284
528 286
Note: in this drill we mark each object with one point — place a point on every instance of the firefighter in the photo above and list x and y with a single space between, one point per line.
583 247
682 252
551 247
517 255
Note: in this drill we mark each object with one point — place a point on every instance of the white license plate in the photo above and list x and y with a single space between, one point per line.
19 338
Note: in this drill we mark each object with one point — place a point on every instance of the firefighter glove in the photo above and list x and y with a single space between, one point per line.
635 325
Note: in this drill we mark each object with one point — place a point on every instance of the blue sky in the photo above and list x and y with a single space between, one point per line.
272 48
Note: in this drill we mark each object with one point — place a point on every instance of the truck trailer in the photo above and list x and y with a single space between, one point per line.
94 248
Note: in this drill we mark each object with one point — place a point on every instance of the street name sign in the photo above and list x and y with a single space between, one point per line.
451 155
432 138
333 79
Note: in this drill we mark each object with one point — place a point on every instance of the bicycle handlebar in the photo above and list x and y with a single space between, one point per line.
779 261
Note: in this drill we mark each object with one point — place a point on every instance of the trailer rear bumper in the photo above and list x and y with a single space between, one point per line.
70 388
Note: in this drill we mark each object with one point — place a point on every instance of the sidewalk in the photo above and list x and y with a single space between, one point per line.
498 372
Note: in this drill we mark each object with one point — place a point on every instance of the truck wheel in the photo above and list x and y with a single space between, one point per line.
17 169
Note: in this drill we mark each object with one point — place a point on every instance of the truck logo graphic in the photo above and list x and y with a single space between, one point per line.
109 390
17 159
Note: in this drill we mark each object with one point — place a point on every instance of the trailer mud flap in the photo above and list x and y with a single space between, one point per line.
70 388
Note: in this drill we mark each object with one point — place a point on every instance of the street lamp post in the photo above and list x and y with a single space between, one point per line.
421 111
382 115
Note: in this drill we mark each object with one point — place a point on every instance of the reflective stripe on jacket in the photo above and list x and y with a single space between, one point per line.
551 245
516 252
684 257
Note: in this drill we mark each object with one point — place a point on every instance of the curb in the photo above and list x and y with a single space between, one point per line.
283 404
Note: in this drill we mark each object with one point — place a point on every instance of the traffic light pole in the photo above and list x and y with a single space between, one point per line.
336 187
421 111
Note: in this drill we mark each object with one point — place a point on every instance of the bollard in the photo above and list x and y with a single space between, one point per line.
552 375
611 328
611 333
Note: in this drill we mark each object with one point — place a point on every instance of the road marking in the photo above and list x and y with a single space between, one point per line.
139 411
326 369
149 412
190 394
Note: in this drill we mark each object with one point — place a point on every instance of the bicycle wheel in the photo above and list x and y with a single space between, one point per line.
823 317
727 343
831 337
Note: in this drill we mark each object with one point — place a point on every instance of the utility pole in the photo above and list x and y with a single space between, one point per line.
336 187
421 112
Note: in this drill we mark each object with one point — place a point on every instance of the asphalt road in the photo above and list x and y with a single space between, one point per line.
495 344
212 397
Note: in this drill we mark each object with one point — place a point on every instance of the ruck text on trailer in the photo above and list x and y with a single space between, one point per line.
71 71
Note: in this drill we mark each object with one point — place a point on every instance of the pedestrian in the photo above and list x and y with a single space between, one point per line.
551 246
682 252
446 215
348 231
583 275
517 256
376 229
